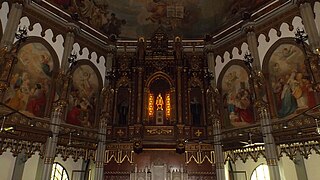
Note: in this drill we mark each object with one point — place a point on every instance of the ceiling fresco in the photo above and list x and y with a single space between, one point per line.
129 19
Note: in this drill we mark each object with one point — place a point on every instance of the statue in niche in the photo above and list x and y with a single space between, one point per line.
196 110
123 109
159 103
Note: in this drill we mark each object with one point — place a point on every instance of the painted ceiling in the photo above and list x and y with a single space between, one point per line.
130 19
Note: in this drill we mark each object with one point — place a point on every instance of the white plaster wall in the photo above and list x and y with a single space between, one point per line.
70 164
7 162
30 167
313 166
317 13
265 45
99 62
287 169
249 166
4 15
36 31
235 54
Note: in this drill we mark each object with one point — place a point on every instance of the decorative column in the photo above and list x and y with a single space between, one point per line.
253 44
179 100
309 23
214 115
270 146
105 115
12 25
51 145
257 82
73 30
100 153
139 99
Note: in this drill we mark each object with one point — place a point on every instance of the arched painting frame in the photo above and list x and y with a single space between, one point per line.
31 80
84 95
290 90
233 84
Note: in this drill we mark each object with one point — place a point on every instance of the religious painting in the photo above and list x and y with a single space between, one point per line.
290 82
236 95
83 96
30 81
131 19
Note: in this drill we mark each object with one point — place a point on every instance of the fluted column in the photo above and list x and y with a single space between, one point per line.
73 30
214 114
309 23
51 145
12 25
100 153
259 88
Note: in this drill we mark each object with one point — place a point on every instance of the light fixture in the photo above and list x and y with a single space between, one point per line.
299 131
301 37
72 59
318 51
317 126
285 125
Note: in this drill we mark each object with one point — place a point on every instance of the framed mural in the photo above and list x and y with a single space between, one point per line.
236 95
31 78
289 80
84 95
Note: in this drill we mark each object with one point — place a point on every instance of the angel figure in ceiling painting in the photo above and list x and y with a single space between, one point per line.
290 82
83 97
237 96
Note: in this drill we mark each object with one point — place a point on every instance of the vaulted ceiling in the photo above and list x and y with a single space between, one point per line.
129 19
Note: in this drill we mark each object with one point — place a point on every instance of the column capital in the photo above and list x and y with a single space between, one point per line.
209 48
248 27
73 28
272 162
110 49
301 2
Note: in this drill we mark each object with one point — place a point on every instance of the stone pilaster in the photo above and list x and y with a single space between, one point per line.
209 49
218 152
111 50
252 43
51 145
12 25
100 153
270 146
73 30
309 23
